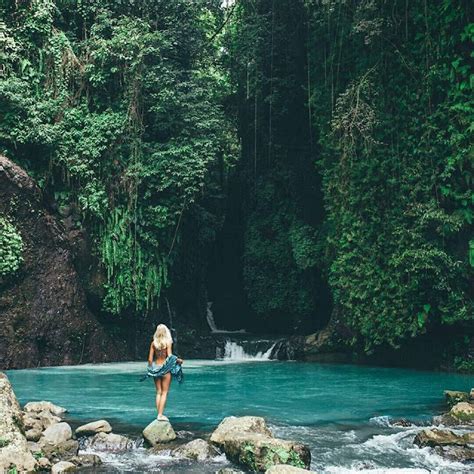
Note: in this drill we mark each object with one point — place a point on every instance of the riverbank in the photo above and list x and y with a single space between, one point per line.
37 438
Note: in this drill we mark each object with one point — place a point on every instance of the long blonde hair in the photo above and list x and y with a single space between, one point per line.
162 337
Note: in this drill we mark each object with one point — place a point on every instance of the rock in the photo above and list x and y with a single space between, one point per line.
471 394
198 449
100 426
456 453
38 407
33 434
159 431
14 450
59 452
86 460
44 464
402 423
326 345
463 411
63 466
446 420
249 442
285 469
39 421
110 442
45 309
34 447
232 425
435 437
57 433
453 396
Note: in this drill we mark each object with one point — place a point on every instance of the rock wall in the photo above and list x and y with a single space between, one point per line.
44 317
13 445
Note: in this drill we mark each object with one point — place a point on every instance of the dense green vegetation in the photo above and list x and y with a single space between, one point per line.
337 132
378 96
116 108
11 248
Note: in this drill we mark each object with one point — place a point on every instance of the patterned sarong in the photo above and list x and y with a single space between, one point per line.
169 365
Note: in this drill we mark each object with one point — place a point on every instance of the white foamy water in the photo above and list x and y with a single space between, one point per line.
336 452
344 413
235 352
141 460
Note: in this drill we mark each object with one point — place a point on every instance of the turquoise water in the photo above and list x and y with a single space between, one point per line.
343 412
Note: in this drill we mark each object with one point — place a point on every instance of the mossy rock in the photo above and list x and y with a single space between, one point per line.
463 411
259 452
454 396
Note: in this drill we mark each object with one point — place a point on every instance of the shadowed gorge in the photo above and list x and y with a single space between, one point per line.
302 170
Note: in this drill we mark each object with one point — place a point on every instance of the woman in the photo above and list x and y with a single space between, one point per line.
161 365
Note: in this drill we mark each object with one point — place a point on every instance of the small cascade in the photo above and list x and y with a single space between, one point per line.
234 351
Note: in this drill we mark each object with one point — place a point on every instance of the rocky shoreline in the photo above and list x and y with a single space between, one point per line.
38 439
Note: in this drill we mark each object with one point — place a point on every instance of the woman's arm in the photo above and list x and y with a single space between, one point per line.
169 350
150 354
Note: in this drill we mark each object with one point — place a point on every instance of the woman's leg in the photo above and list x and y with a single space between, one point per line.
165 385
158 392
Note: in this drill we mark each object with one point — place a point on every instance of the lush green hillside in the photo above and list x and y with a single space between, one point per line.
290 160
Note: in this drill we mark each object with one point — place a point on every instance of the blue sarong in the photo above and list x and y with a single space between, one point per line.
169 365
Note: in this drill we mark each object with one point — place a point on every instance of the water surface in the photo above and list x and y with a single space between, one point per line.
343 412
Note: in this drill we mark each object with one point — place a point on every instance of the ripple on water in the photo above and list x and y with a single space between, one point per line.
344 413
141 460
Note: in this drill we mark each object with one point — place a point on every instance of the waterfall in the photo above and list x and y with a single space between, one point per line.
232 351
210 318
212 324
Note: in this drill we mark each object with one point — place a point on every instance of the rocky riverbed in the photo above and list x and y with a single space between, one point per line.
41 437
37 438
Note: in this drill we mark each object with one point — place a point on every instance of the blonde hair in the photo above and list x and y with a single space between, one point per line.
162 337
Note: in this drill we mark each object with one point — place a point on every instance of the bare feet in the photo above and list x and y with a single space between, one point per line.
162 418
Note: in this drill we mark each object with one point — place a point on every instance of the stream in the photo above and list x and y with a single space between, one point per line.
343 412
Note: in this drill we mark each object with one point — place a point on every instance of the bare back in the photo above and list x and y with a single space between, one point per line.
159 355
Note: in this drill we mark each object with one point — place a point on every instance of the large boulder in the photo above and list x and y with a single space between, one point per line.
38 407
14 451
94 427
197 449
435 437
233 426
248 441
159 431
57 433
463 412
109 442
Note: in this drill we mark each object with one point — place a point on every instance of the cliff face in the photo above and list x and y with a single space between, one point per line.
44 318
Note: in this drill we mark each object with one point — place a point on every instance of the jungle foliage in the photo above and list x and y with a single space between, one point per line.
116 109
349 123
11 248
376 95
